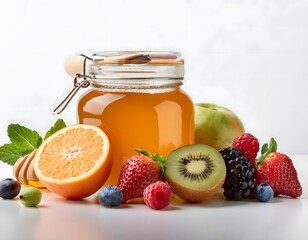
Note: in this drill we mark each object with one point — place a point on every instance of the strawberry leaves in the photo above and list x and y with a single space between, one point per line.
267 149
159 159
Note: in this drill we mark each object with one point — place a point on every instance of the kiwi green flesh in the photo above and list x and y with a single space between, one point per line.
194 196
196 167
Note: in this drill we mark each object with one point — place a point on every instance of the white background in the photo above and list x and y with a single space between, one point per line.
249 56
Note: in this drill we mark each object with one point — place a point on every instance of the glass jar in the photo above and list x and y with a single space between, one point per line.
136 99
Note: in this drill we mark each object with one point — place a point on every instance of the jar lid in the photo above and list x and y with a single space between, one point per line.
136 65
137 57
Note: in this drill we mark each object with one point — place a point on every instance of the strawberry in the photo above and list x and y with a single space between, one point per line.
138 172
278 171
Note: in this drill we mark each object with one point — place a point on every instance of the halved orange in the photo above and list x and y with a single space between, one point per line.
74 162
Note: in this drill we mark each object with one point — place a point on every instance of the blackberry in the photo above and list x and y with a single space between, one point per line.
240 179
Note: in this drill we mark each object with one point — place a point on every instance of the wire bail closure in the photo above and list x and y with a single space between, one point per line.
136 71
77 85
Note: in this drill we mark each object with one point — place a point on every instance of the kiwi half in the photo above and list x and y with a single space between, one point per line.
195 172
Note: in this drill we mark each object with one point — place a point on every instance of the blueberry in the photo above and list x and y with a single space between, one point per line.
110 196
9 188
263 192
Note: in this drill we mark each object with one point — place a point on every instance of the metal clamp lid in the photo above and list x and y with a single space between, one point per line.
77 85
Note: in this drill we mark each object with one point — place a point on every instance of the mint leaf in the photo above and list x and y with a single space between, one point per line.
23 139
59 124
9 154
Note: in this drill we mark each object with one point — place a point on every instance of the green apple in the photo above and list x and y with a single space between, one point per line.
216 126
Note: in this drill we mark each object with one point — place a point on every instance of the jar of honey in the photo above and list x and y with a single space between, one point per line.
136 99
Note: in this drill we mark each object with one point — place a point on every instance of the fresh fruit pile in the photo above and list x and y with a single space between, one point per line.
272 167
74 162
138 172
196 172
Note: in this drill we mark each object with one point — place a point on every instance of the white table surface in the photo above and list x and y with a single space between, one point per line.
57 218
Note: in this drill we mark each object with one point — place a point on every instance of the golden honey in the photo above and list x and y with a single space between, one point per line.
137 100
158 123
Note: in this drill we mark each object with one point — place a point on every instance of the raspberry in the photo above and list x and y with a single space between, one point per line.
157 195
249 146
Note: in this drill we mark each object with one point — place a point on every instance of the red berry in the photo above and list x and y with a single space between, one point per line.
136 174
249 146
158 195
278 171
